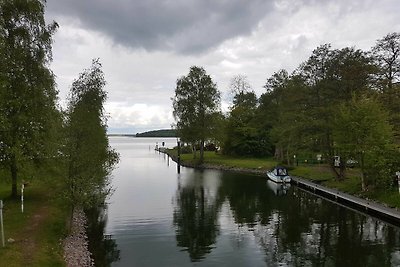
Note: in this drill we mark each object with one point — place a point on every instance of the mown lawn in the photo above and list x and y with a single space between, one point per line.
229 161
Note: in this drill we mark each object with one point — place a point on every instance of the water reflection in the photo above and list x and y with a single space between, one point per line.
278 189
291 226
103 247
212 218
196 216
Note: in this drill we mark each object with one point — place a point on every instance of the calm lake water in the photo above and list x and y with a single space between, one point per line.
157 217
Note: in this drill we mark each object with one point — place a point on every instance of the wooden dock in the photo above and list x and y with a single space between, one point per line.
365 206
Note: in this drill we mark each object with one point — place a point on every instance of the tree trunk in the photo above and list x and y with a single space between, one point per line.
278 153
201 151
342 169
14 170
333 168
288 157
194 150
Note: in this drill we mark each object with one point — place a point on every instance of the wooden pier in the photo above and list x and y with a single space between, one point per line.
370 207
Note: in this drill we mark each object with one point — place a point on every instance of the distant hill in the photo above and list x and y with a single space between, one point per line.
158 133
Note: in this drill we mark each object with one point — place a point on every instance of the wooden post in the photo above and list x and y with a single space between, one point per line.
22 197
1 223
179 157
398 179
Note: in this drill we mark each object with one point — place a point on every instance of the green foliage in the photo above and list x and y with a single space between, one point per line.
89 156
242 134
298 113
195 104
284 105
386 54
28 110
362 131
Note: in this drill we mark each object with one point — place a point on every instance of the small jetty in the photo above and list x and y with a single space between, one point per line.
369 207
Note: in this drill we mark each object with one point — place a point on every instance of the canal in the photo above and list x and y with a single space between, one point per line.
157 217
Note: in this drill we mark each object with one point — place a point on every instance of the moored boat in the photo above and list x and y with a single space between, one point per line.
279 175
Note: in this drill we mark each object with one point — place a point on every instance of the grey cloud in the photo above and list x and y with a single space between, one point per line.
182 26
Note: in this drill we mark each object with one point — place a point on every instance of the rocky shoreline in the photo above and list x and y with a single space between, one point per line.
76 250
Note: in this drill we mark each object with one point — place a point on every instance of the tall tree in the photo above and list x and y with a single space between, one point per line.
27 87
196 103
241 129
272 104
89 156
386 53
332 77
239 84
362 131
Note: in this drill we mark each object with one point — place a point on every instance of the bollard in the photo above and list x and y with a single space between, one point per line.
1 223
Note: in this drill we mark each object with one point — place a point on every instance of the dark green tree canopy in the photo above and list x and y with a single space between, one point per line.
27 93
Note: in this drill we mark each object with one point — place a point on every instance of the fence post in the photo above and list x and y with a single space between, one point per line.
1 222
22 197
398 179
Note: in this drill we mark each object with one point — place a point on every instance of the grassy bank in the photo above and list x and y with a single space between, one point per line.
320 173
37 232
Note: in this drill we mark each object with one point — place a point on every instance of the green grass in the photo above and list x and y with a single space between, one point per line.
391 198
313 172
229 161
41 199
351 185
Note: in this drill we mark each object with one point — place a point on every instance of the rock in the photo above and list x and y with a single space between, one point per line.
76 251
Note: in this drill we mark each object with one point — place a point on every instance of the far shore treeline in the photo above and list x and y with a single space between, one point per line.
341 103
35 132
158 133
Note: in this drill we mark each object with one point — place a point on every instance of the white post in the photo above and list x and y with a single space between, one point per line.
1 222
398 179
22 198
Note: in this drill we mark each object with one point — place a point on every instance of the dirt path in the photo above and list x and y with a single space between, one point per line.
29 235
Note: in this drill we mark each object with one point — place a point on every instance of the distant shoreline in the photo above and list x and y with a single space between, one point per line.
127 135
157 133
134 136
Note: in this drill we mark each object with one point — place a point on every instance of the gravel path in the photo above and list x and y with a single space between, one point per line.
76 252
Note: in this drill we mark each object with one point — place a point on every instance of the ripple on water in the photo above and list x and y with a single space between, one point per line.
132 225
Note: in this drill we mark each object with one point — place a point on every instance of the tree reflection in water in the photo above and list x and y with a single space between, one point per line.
103 248
293 229
196 218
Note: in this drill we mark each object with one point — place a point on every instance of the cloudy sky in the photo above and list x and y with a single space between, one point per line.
145 45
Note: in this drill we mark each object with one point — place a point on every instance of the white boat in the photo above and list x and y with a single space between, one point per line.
279 175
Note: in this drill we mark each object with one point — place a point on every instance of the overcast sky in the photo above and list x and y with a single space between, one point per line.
145 45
